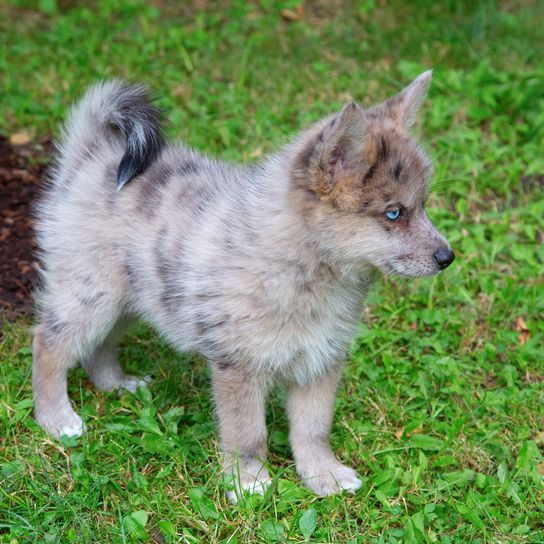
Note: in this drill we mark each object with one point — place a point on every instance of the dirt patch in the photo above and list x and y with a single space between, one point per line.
21 174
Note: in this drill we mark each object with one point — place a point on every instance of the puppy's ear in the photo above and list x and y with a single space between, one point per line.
403 107
334 152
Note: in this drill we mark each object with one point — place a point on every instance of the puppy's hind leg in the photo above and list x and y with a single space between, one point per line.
69 330
52 408
103 366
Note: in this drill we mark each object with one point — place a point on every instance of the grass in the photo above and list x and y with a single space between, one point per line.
441 409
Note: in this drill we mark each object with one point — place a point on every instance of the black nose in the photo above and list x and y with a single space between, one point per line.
444 257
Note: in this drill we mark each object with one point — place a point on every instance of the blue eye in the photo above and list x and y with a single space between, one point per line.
392 214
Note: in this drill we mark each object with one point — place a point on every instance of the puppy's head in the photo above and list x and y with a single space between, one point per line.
361 181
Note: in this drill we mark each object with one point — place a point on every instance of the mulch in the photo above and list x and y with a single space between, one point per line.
21 174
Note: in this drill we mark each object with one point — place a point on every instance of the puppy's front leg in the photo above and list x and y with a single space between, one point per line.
240 402
310 408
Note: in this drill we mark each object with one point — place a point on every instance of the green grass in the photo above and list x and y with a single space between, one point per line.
442 406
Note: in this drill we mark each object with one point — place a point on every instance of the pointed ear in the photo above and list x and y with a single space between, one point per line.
403 107
334 151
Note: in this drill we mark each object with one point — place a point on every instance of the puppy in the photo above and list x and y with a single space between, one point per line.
263 269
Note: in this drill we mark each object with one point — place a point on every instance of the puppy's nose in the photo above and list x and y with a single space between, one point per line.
444 257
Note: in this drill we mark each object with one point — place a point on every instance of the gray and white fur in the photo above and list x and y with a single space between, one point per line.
263 269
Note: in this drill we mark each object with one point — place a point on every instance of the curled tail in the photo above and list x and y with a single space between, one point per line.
115 111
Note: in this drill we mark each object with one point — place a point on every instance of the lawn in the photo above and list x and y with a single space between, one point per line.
441 409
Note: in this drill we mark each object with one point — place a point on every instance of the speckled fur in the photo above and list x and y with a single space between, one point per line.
263 269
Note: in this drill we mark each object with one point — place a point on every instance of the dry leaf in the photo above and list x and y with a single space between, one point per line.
540 468
399 433
533 377
19 138
523 330
417 430
293 14
255 154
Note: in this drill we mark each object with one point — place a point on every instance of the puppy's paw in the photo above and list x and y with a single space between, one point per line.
131 383
249 484
254 478
63 423
329 478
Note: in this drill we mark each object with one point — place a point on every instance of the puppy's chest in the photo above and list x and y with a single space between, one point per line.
312 329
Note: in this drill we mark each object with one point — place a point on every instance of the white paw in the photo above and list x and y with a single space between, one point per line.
245 482
73 429
131 383
327 479
66 423
254 486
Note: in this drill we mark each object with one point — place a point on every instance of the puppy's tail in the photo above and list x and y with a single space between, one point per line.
115 111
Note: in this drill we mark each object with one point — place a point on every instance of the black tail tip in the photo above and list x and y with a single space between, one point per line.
139 154
140 121
129 167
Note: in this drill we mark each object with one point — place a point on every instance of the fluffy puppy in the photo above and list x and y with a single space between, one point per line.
263 269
